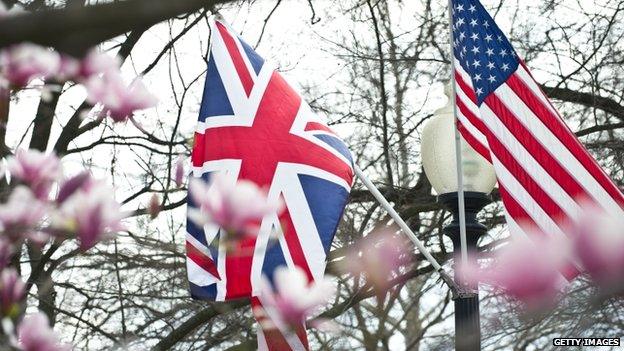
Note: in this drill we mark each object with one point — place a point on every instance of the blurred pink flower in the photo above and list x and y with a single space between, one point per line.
97 62
237 207
294 298
377 256
93 64
179 171
12 290
21 63
599 246
6 252
21 215
36 169
70 185
35 334
69 68
154 207
120 101
529 270
91 213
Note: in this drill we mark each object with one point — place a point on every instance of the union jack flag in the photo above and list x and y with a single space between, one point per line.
253 125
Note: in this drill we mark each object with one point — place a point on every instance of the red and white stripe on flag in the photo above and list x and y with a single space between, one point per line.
274 336
544 173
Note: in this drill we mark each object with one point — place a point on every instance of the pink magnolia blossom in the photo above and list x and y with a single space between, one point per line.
599 246
21 215
377 256
529 271
91 213
97 62
119 100
294 298
154 206
36 169
73 184
69 68
6 252
21 63
179 171
93 64
35 334
237 207
12 291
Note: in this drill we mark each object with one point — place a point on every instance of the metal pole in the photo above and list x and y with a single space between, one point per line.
467 323
399 221
458 157
406 229
467 326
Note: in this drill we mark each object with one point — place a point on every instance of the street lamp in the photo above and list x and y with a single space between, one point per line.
438 157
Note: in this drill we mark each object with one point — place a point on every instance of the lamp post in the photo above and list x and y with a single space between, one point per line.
439 162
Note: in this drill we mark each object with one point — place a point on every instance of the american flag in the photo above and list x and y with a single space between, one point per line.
544 173
253 125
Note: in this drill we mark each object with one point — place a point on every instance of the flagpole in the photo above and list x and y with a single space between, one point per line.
458 156
406 229
467 323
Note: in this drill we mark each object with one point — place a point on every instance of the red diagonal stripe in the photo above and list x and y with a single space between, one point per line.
275 340
317 126
294 245
563 133
475 120
465 88
473 142
535 148
237 58
528 183
515 210
201 260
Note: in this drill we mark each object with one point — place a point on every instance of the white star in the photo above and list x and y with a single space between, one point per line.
492 79
474 36
461 54
464 49
476 63
460 21
505 66
488 38
473 22
499 38
475 50
490 65
503 53
460 7
462 35
477 77
486 24
490 52
479 91
472 8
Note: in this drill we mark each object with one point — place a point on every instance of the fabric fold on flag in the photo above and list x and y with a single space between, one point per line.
253 125
544 172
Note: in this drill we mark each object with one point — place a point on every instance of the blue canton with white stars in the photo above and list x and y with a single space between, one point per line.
481 48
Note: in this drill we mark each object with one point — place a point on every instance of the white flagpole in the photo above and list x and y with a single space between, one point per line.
399 221
458 157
